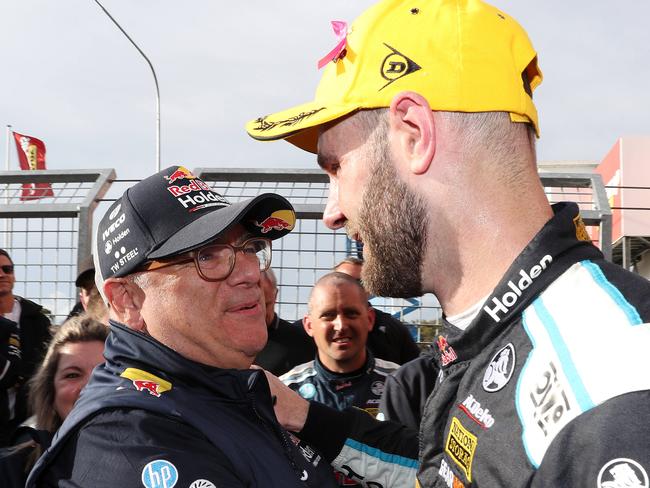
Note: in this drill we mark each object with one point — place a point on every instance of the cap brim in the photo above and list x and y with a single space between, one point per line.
298 125
213 224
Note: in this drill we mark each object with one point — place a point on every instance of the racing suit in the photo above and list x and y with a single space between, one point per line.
361 388
150 417
547 387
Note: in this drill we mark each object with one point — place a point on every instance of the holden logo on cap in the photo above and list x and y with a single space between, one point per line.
395 65
115 211
622 473
500 369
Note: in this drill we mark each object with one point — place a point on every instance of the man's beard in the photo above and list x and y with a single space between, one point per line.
393 225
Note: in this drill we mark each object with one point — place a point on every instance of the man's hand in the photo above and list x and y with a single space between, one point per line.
290 408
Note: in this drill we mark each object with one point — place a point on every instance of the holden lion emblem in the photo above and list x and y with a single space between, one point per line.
622 473
500 369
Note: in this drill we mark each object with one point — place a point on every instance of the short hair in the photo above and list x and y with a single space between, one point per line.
488 132
6 254
337 278
80 328
349 260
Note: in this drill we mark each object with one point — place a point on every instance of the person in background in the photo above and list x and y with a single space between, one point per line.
390 339
76 347
287 345
344 372
424 122
96 308
86 283
176 401
29 335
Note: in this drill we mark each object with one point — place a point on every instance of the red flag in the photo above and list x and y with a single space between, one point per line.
31 154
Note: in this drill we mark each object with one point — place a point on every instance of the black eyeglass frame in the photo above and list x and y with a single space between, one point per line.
7 269
193 256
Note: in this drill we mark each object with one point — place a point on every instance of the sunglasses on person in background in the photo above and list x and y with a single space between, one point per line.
215 262
7 268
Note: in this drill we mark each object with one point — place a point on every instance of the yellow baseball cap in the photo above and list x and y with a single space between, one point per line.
461 55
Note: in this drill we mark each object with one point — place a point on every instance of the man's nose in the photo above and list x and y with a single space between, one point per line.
247 268
339 323
332 216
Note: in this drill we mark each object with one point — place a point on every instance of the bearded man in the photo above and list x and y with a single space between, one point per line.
425 123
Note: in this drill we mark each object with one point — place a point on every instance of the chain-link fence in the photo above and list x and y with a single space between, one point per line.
49 237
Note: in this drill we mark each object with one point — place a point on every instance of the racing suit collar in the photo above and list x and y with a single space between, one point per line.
337 379
549 254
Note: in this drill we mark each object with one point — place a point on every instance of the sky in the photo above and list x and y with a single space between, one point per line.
70 78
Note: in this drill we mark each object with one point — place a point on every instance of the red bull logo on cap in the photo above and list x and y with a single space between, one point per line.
182 173
145 381
278 220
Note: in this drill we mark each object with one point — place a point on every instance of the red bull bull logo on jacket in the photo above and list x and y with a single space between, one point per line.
279 220
144 381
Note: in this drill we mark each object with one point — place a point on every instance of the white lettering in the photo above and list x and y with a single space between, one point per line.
446 474
199 198
128 256
509 298
498 306
113 226
481 415
514 288
525 280
121 236
535 271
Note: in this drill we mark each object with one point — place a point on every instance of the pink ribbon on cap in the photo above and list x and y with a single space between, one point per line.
341 31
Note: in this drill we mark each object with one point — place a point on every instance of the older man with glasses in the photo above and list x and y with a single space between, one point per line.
23 337
176 403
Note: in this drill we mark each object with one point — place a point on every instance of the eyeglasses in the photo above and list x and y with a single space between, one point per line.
215 262
7 268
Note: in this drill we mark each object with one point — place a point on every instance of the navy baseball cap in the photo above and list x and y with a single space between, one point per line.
172 212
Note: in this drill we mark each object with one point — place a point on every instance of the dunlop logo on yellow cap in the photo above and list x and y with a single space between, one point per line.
396 66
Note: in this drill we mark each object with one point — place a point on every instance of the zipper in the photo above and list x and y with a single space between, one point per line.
289 447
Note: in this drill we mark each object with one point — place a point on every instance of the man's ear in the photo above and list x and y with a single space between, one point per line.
413 129
371 317
125 299
306 324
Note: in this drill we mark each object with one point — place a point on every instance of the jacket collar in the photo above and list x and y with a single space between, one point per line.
353 376
128 348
